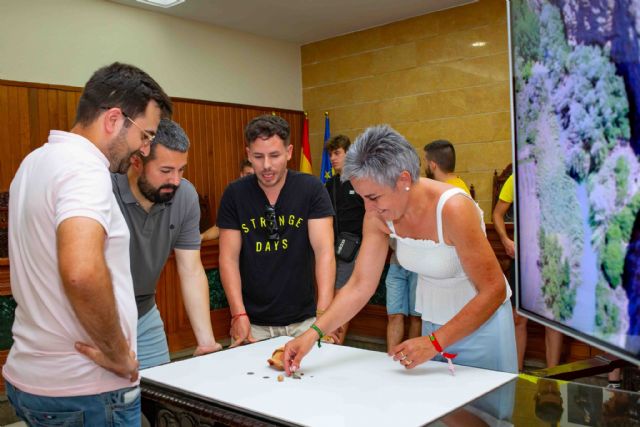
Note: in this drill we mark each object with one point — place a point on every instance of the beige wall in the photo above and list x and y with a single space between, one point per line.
64 41
424 78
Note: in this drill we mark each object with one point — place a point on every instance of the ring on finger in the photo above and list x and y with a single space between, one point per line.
408 362
402 356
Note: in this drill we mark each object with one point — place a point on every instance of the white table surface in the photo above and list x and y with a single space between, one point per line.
341 386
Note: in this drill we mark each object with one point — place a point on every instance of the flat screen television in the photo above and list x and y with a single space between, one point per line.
576 94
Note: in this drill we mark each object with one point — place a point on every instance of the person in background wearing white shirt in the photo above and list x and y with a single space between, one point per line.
73 359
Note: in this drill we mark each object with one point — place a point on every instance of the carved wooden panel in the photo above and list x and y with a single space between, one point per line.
166 407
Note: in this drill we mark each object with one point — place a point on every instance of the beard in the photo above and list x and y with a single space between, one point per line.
428 173
154 194
119 154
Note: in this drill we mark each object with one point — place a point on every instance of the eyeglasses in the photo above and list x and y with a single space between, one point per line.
148 137
273 232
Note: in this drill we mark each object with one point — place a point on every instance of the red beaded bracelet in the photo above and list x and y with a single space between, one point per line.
448 356
235 316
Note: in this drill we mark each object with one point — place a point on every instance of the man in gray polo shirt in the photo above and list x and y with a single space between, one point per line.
162 211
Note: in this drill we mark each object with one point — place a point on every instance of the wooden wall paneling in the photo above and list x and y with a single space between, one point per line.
34 120
61 108
163 298
13 118
224 155
188 117
43 118
371 321
66 101
22 147
192 125
169 299
72 100
29 111
6 167
222 158
234 139
196 127
217 165
205 152
52 111
199 153
233 144
210 157
221 322
170 303
5 277
180 116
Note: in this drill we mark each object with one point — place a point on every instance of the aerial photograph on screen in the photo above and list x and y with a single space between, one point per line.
576 82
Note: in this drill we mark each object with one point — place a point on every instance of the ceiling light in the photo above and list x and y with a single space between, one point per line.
161 3
474 44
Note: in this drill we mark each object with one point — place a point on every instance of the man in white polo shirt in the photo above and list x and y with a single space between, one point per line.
73 357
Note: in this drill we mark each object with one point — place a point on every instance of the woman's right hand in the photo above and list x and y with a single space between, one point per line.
296 349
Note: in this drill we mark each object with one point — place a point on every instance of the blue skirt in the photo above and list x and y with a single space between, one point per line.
491 346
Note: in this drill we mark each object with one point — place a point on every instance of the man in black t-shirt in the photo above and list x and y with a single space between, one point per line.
275 229
349 208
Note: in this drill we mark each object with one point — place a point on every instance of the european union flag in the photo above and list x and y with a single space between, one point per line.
326 171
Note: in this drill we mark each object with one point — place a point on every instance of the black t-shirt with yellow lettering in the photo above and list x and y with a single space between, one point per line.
276 259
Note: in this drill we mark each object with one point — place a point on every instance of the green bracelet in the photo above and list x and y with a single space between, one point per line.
319 331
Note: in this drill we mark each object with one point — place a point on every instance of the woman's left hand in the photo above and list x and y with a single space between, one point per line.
413 352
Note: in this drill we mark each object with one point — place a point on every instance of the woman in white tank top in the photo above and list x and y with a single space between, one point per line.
462 294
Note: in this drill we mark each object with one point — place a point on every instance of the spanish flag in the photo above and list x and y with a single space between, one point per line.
305 152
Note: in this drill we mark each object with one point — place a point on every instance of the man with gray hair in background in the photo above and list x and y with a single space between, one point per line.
163 214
